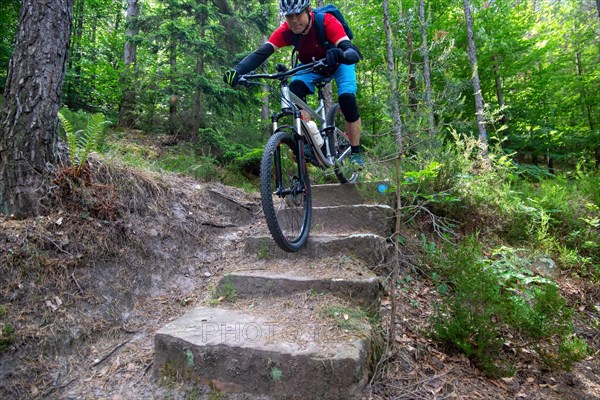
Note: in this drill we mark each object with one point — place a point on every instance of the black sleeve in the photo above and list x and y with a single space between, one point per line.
351 53
253 60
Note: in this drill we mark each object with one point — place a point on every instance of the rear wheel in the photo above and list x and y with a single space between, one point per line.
340 146
285 193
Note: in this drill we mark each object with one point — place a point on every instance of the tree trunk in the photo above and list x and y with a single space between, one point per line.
130 53
392 72
427 72
476 85
174 98
28 118
413 102
201 18
598 7
584 96
499 93
400 144
74 59
127 105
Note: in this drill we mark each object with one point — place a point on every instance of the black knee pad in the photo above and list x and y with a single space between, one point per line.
300 89
348 106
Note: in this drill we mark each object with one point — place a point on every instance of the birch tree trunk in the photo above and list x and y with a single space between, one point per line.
476 85
29 115
127 104
426 72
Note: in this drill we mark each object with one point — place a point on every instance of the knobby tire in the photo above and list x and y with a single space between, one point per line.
288 206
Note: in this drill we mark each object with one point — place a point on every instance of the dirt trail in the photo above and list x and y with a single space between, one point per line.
85 296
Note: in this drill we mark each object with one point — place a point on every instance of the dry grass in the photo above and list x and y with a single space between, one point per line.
119 252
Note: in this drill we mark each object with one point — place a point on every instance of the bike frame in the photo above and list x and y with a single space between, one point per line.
291 105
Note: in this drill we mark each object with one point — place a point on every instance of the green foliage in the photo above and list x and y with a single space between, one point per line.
82 142
183 159
9 21
225 291
276 374
348 318
498 301
557 214
6 330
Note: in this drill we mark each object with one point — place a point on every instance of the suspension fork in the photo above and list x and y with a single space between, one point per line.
302 171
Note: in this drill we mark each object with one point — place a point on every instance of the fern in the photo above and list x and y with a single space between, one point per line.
84 141
71 138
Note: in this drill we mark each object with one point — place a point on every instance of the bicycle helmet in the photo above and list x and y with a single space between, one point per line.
287 7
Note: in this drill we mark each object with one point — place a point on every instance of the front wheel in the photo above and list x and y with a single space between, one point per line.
285 192
339 146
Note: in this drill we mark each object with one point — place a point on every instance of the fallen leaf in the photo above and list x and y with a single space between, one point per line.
403 339
59 221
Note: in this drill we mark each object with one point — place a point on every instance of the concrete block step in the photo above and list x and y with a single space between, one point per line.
360 291
266 354
364 218
370 248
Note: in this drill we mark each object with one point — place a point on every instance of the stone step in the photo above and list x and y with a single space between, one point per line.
360 291
370 248
364 218
337 194
266 353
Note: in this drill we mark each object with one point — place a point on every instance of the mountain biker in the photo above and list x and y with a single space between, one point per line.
340 59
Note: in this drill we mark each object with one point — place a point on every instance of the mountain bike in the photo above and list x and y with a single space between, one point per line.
284 180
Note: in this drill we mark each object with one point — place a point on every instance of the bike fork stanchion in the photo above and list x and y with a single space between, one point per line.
277 166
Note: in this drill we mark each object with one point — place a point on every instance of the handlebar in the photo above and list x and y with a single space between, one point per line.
282 73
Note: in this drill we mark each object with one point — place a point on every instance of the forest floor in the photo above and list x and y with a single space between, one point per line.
84 288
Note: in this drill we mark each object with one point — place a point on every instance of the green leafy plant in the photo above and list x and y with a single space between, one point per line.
6 330
493 300
226 290
84 141
276 374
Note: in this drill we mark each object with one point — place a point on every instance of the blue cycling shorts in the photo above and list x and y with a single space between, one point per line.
344 75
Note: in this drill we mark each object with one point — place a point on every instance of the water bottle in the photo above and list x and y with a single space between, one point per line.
313 129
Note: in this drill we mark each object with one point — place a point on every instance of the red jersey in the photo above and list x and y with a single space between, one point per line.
308 45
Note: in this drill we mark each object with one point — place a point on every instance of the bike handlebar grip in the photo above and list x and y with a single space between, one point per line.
281 67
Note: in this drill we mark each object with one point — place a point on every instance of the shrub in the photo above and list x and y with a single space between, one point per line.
494 300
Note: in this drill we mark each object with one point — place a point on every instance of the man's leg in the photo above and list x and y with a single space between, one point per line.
345 77
353 130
